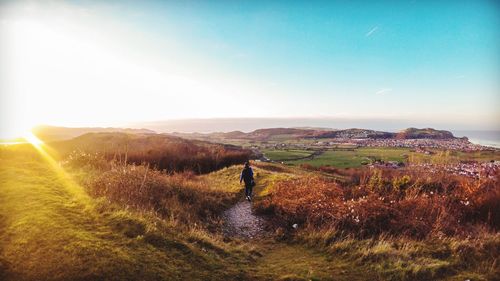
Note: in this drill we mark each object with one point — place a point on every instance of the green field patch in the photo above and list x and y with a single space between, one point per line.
284 155
352 158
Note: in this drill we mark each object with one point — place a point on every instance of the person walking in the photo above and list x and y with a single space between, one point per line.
247 177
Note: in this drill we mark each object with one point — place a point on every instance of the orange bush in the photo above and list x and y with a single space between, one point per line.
406 203
181 196
163 152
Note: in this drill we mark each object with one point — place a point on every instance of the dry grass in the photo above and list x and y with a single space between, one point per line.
142 223
388 202
50 229
181 197
162 152
401 258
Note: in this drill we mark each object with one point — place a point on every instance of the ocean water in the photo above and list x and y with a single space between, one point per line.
488 138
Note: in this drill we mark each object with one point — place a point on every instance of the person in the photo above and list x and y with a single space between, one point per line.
247 177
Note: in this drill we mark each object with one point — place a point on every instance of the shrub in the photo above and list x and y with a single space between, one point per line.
407 203
181 196
163 152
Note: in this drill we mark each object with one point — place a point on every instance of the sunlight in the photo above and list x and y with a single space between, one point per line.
34 140
51 62
40 146
68 183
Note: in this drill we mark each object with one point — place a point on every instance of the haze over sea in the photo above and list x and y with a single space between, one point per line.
488 138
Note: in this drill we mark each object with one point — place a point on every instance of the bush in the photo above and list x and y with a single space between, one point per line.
163 152
405 203
181 196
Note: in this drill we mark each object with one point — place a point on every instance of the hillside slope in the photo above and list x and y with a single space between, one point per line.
53 133
54 227
426 133
159 150
52 230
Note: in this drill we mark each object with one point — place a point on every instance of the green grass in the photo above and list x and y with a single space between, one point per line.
284 155
392 258
51 229
355 157
298 262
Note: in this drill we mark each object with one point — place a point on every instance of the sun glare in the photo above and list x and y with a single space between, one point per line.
34 140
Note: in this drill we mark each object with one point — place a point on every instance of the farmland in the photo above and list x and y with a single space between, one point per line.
353 158
286 155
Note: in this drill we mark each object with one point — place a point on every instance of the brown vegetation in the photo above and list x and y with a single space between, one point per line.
181 197
162 152
388 202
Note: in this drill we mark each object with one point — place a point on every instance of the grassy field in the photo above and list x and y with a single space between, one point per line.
284 155
355 157
52 228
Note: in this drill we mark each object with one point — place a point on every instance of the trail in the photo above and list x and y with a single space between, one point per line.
272 260
241 222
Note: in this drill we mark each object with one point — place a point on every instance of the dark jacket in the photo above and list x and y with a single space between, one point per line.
247 176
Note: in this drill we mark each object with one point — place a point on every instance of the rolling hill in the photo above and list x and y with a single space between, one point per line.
53 133
159 150
312 133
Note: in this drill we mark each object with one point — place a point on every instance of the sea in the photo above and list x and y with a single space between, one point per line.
487 138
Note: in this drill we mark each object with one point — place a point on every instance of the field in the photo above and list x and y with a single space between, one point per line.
284 155
353 158
85 217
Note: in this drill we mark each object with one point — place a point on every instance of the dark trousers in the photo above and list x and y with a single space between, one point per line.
248 189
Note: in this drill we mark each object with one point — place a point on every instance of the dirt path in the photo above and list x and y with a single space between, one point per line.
241 222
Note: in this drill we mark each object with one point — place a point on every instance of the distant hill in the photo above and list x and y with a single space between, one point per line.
355 134
53 133
314 133
263 134
260 134
315 128
159 150
426 133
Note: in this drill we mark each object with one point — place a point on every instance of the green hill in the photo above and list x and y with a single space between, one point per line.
53 133
426 133
88 218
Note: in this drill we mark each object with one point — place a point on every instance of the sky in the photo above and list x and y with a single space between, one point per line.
116 63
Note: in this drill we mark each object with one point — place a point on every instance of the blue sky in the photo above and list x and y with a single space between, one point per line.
435 62
417 51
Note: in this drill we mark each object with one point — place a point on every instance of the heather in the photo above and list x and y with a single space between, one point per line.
89 216
161 152
400 203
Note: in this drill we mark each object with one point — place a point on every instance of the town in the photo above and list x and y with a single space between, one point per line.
474 170
418 144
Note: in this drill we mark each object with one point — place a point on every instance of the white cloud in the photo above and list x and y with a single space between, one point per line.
383 91
369 33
